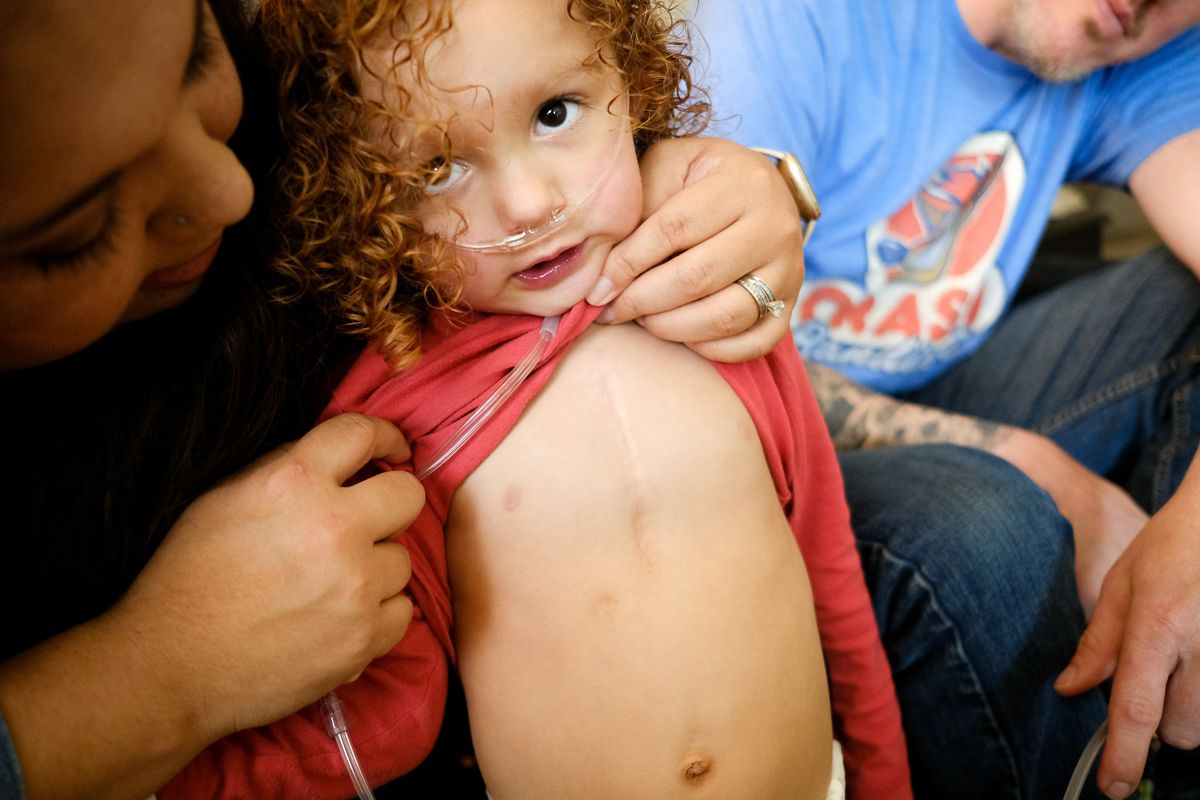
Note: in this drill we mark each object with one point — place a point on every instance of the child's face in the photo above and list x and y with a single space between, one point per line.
533 132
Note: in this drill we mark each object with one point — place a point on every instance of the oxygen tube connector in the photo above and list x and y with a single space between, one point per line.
335 726
331 704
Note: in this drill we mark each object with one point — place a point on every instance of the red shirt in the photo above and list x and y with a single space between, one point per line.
394 709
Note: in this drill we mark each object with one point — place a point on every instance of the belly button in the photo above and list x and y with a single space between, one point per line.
695 768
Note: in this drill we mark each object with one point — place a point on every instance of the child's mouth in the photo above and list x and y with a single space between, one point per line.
552 270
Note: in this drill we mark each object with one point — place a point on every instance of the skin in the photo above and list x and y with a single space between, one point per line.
670 588
166 156
703 247
1064 40
1104 517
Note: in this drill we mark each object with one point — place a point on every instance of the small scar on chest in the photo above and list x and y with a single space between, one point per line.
512 499
604 605
696 768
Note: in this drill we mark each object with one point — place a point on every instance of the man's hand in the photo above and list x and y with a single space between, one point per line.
1105 519
715 211
1146 635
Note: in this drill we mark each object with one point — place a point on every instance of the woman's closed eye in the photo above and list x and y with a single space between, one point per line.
70 255
557 115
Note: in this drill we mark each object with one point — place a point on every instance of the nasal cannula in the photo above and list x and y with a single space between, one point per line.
331 705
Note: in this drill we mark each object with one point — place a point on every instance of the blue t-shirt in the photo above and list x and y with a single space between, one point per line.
935 160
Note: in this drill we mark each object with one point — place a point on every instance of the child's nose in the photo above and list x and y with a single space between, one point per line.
527 196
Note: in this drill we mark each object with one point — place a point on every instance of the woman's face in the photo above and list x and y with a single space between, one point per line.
115 179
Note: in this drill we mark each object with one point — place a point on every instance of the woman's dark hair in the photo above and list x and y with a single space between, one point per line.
103 450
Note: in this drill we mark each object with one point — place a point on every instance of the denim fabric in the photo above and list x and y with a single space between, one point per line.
11 785
971 570
1106 365
969 563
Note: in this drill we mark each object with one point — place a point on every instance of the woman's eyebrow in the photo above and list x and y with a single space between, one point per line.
62 212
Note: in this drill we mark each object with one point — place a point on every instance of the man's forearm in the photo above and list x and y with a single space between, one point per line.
859 418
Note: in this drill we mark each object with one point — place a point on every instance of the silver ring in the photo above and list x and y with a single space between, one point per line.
767 302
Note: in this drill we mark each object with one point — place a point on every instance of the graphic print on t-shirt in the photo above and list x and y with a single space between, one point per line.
931 280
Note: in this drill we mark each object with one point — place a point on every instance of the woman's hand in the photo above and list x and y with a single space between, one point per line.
272 588
284 573
715 211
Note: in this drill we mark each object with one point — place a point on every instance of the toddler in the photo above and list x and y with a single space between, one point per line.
632 617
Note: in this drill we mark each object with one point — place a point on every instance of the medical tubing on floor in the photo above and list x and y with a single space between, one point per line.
331 705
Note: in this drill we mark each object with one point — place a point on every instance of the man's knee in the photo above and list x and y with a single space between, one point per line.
954 512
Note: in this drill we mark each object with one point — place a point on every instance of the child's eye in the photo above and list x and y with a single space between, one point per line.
444 175
557 114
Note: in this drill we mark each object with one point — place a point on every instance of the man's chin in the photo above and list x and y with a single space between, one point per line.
1056 72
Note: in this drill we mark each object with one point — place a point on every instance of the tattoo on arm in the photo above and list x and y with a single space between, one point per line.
859 418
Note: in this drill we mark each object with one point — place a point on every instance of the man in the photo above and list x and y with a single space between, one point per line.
936 134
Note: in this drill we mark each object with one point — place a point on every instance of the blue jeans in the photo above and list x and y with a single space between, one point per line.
969 563
1106 365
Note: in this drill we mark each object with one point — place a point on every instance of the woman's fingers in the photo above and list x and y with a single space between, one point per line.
716 212
692 217
385 504
342 445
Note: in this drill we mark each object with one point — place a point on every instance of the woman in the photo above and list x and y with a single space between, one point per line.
144 370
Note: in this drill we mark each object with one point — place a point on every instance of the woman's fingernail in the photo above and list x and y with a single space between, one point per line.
602 292
1118 789
1067 678
606 316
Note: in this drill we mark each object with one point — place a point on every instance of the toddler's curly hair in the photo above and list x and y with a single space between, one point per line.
345 231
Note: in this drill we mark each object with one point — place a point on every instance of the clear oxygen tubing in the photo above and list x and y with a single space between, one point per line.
335 725
331 704
479 416
1083 767
558 217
